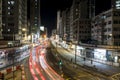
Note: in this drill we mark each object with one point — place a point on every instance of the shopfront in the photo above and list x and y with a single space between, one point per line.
109 55
80 51
116 57
100 54
89 52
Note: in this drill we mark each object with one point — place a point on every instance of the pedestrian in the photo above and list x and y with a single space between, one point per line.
84 59
91 61
94 66
71 59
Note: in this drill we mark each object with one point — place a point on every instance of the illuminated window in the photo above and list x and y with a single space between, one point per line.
118 7
118 4
76 9
8 2
103 17
12 2
118 1
8 7
9 13
35 17
8 30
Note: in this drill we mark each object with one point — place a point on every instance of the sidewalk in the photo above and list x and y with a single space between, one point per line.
16 74
102 68
27 70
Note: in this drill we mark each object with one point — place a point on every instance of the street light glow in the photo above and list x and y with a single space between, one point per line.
23 29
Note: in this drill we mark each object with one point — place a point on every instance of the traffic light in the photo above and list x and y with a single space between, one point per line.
60 62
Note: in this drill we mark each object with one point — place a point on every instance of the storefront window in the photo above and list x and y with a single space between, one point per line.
100 54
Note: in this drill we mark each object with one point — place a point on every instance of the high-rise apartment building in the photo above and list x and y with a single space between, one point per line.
71 27
66 24
106 28
67 31
14 20
81 12
106 32
75 21
63 25
58 22
115 4
0 19
59 29
35 21
91 4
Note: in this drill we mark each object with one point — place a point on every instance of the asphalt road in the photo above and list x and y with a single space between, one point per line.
69 70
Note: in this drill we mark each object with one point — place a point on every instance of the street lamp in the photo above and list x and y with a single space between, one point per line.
23 29
77 34
29 38
75 52
24 34
77 41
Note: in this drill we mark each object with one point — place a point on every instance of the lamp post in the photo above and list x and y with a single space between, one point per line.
13 36
13 57
75 52
76 43
77 34
77 40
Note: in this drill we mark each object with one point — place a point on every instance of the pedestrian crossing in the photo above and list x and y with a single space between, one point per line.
116 76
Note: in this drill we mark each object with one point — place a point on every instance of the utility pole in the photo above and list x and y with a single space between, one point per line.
14 36
13 57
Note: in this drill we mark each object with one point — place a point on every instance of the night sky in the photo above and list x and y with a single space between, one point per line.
49 10
102 5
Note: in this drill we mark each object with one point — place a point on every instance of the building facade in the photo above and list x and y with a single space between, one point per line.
82 11
35 21
0 19
106 28
97 29
66 24
103 31
115 4
71 25
14 20
59 29
76 21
